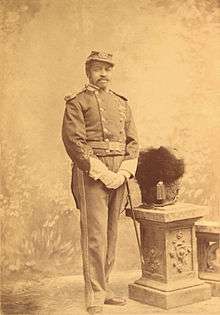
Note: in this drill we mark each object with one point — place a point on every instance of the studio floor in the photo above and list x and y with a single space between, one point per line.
64 296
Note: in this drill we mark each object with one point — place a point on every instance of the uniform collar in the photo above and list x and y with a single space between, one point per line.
92 88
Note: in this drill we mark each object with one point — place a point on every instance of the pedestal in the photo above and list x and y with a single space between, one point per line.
208 242
170 270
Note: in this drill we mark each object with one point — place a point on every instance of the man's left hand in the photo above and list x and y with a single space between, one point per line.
116 181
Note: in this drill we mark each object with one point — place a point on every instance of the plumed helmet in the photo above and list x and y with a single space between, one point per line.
158 174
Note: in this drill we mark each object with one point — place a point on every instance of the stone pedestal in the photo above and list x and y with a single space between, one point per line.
170 270
208 240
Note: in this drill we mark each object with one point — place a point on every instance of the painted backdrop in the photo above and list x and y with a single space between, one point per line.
167 64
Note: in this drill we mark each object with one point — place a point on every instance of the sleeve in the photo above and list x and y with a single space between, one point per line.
132 147
74 135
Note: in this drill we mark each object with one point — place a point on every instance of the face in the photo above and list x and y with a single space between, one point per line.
100 74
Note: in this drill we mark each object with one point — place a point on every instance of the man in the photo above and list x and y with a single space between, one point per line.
100 137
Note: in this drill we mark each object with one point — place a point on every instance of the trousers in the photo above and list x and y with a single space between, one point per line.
99 237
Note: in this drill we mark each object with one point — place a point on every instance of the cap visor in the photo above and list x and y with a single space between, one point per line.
101 60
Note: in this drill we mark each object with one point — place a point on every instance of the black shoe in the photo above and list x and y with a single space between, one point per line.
116 300
94 310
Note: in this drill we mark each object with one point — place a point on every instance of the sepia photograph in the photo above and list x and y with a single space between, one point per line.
110 157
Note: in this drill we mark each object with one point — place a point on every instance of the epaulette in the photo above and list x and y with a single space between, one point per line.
70 97
121 96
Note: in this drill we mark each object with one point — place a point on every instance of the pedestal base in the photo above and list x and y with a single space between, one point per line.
213 280
167 300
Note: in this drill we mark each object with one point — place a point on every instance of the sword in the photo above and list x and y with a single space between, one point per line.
84 237
135 223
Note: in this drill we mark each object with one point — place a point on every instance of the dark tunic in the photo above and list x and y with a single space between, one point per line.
96 115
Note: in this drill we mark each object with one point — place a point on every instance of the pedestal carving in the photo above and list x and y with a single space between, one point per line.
153 260
179 252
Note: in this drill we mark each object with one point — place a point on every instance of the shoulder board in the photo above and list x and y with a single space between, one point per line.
121 96
70 97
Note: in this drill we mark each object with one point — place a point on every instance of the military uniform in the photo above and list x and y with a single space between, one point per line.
99 124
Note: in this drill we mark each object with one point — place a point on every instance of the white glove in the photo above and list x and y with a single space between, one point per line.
130 166
125 173
98 170
112 180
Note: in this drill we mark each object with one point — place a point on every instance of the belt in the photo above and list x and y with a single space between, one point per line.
107 145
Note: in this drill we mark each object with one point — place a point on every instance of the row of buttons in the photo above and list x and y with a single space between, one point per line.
107 133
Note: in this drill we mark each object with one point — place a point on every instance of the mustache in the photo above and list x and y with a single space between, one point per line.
103 78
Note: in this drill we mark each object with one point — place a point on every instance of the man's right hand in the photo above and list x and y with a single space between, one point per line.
112 180
98 170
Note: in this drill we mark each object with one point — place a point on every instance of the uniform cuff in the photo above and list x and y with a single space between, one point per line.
130 166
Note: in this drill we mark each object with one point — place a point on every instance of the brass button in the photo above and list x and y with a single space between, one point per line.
122 114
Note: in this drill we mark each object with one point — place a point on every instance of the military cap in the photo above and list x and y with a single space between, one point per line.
100 56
